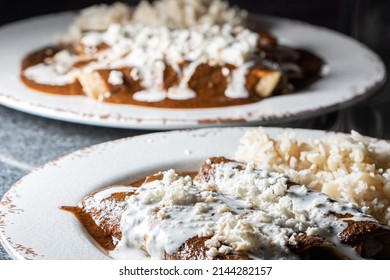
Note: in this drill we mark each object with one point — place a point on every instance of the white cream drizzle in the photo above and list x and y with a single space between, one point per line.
149 96
56 70
236 87
176 93
153 82
154 86
44 74
106 193
182 91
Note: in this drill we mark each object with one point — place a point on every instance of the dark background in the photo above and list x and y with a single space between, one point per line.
326 13
366 20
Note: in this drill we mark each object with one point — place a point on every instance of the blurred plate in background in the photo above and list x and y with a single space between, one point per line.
354 73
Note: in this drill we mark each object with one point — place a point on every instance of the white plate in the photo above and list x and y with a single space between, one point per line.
32 226
354 72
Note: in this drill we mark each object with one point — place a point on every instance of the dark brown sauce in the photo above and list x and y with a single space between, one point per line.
102 237
208 81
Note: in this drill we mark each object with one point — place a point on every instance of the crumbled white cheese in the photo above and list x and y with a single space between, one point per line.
212 252
312 231
201 207
115 78
220 44
245 209
92 39
224 250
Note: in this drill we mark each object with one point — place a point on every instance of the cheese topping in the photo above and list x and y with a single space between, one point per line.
115 78
239 209
148 50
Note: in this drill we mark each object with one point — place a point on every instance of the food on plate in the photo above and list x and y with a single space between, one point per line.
169 54
228 210
349 167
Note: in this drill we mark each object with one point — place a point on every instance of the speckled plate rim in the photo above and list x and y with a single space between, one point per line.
354 73
33 227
